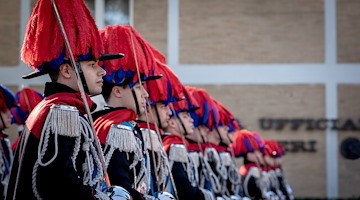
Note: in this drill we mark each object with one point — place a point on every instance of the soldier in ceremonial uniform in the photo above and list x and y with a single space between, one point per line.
269 154
197 142
272 156
126 157
152 123
227 119
181 163
217 153
57 156
7 102
250 145
26 100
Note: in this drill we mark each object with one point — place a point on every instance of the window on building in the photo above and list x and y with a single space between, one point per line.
110 12
117 12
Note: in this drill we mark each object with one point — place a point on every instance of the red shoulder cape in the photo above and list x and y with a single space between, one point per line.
37 117
218 148
145 125
196 147
173 139
103 123
244 169
152 126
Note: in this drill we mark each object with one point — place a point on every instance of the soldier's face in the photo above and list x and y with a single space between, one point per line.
200 134
164 114
268 160
141 96
6 122
203 130
93 74
255 157
187 121
224 134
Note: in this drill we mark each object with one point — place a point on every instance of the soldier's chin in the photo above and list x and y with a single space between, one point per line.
142 110
95 91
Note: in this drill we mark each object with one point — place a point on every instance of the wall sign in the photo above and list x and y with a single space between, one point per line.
309 124
299 145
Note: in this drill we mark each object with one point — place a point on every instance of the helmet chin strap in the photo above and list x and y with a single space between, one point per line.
3 122
201 136
222 143
229 138
136 101
158 117
182 124
82 77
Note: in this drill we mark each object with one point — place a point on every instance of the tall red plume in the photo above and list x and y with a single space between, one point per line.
43 40
206 114
7 98
246 141
210 112
196 96
166 89
180 106
189 104
270 148
225 116
125 39
26 99
193 103
176 93
273 148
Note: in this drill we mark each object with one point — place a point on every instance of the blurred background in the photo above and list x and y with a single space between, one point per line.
288 69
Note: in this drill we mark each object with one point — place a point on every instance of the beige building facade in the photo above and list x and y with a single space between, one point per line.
288 69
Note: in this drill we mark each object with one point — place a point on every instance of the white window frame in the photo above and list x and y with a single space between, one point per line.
100 10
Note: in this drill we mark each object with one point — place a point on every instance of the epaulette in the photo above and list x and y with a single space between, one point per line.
278 172
63 120
151 139
273 180
121 137
195 157
207 194
253 172
225 158
178 153
211 155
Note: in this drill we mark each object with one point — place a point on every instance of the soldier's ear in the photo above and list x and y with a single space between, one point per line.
172 123
65 70
117 91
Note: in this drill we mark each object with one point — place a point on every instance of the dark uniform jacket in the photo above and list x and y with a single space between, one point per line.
185 187
5 162
159 163
63 177
117 124
250 185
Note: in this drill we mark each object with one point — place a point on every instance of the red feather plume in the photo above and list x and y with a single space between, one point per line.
44 41
225 116
125 39
246 141
28 98
166 89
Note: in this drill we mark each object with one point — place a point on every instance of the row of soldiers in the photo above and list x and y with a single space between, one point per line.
154 139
